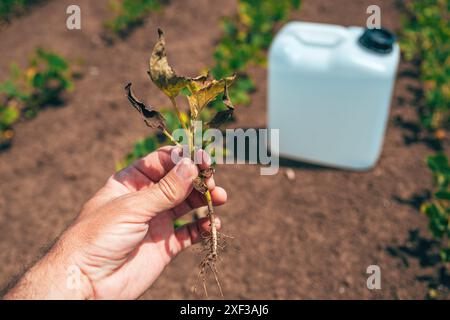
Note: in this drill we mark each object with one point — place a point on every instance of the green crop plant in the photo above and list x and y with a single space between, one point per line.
25 92
8 8
199 92
438 208
426 40
129 13
9 114
246 38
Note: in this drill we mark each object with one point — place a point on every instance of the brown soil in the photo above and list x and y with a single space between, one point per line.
312 237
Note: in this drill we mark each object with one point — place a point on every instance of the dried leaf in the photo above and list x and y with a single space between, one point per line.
223 116
151 117
202 95
226 98
162 73
199 82
220 118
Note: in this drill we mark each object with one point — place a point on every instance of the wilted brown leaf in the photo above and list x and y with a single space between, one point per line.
162 73
202 95
223 116
152 118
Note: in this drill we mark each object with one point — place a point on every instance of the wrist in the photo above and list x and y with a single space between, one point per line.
55 277
62 270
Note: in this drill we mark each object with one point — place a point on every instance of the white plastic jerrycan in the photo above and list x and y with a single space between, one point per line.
329 92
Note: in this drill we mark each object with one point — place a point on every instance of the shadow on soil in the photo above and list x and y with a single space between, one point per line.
426 252
415 200
414 132
257 148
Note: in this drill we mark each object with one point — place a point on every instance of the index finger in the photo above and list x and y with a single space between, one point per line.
156 164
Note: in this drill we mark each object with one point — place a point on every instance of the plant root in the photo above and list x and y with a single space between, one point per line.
210 260
213 242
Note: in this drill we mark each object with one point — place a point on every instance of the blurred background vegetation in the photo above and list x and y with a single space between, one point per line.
245 38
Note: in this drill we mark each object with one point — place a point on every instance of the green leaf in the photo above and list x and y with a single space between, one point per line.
442 195
438 220
172 122
438 162
185 91
445 254
296 3
8 115
179 223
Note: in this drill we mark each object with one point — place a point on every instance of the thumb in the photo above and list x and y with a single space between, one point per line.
171 190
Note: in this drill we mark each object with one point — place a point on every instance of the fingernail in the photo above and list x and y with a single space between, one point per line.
206 158
185 169
202 157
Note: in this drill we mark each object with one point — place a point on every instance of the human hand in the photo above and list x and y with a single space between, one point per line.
124 236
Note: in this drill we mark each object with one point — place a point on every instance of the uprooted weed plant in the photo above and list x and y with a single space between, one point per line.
199 92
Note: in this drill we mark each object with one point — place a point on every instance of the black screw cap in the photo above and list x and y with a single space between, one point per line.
378 40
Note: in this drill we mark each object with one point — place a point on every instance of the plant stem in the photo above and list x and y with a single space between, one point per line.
178 112
180 118
171 138
212 221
